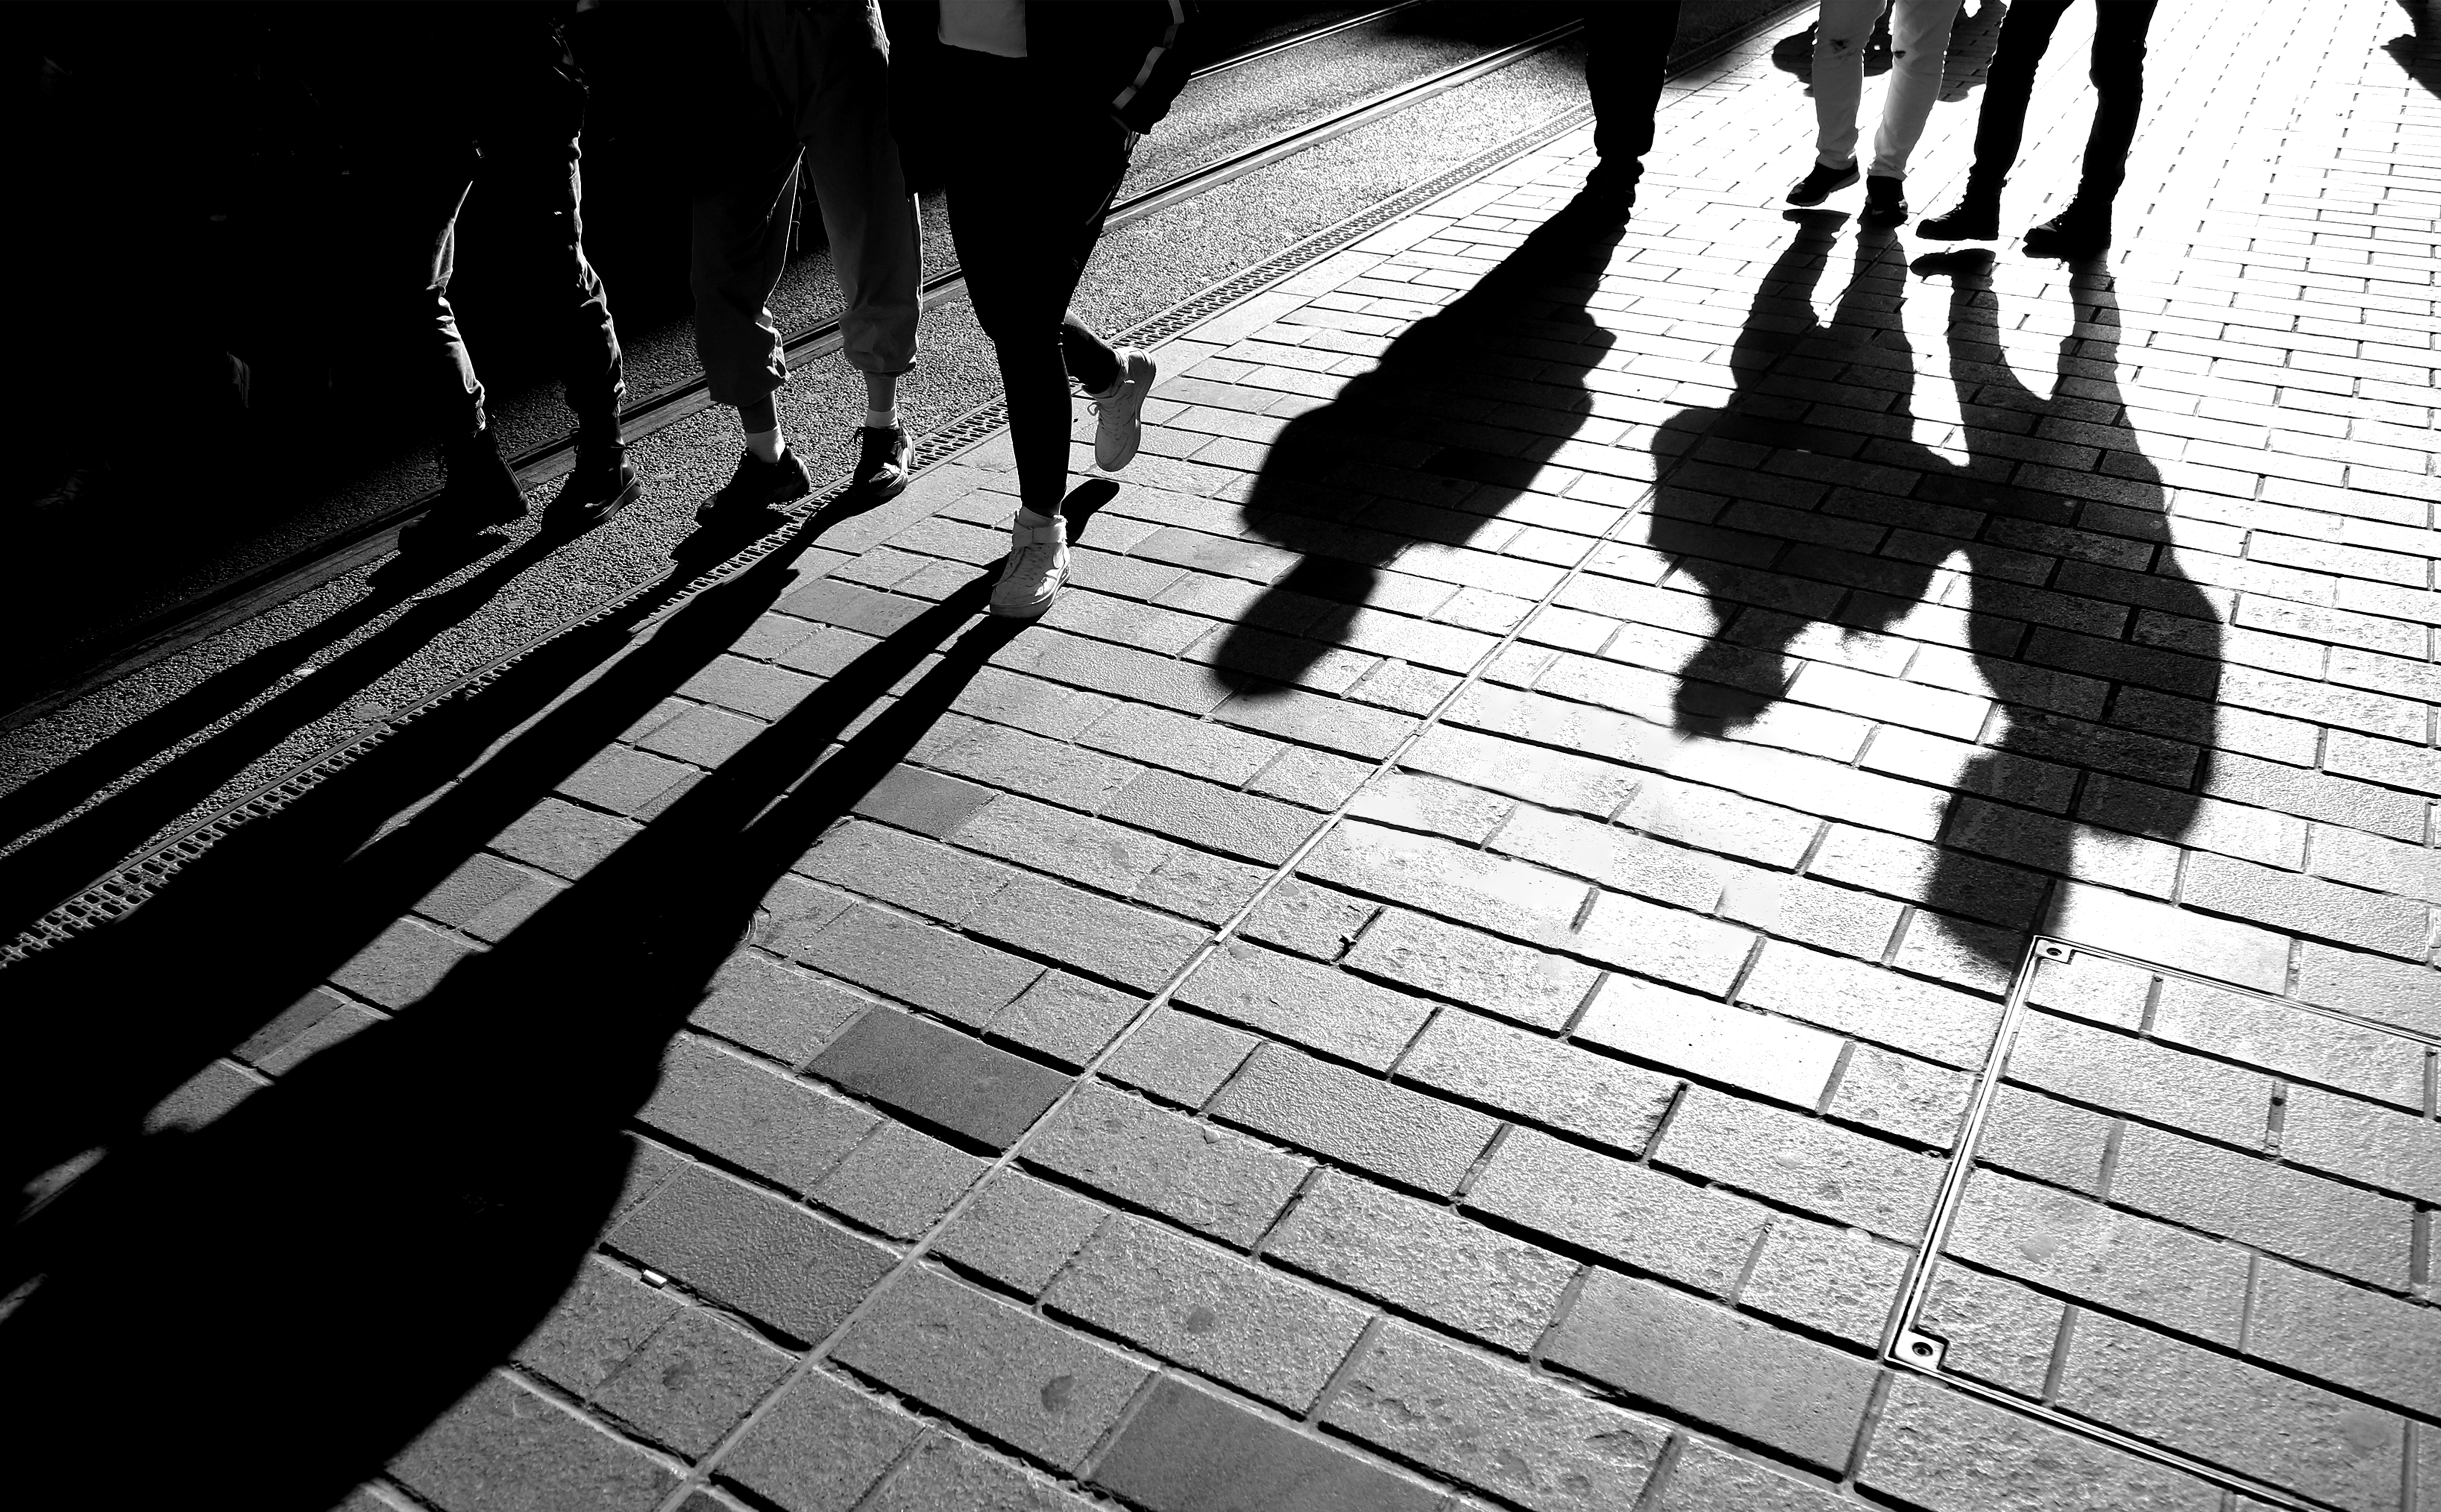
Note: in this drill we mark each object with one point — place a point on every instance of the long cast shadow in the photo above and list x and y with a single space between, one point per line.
349 1251
2122 678
1426 447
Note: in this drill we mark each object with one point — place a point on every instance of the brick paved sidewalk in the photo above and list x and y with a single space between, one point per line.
1502 1044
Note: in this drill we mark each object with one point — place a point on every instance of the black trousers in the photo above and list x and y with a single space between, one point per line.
1031 178
2118 75
1628 43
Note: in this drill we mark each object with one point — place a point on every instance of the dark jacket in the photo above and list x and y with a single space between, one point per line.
1118 60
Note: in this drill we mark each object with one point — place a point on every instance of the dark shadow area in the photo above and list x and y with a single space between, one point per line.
1410 450
345 1253
2420 52
2122 679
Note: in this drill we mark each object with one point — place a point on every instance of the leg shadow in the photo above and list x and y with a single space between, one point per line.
1459 418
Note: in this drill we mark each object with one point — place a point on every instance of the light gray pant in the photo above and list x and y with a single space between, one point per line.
1919 42
827 65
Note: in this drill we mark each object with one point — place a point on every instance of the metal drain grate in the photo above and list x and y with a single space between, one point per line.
2195 1221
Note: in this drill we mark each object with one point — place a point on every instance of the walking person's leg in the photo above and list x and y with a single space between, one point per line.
591 367
740 248
1919 44
2025 35
831 64
2118 73
1841 28
1627 51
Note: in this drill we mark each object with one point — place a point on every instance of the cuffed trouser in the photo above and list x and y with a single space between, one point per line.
1031 180
1628 47
829 66
2118 74
1919 42
416 202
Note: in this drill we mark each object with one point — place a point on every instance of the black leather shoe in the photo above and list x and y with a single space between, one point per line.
1821 184
758 485
481 491
2082 230
603 484
1884 204
1975 217
884 460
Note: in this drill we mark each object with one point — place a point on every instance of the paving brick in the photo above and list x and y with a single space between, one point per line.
1423 1259
1331 1010
797 1274
2067 1245
940 1077
1803 1161
1834 1281
1201 747
561 838
1872 1003
2275 1207
2385 1150
1411 801
1703 1361
1993 1329
764 1005
1064 1018
995 1368
405 961
1554 779
2389 991
1528 1440
1019 1231
1022 761
1313 777
1514 981
899 1182
1073 846
1213 1180
507 1446
604 1318
1902 1095
795 911
2385 1347
1623 1211
1433 876
1187 1451
1310 719
751 1116
1094 935
486 896
2052 1141
1938 1448
1541 1080
931 969
1254 1328
1309 920
2296 1044
2114 1071
2284 1431
692 1382
945 1472
1205 888
1708 1478
623 780
1179 1056
2399 927
1671 943
1752 1051
1213 818
1346 1115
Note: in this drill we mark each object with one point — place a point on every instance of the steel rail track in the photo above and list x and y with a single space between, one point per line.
208 613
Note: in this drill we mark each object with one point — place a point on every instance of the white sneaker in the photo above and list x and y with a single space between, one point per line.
1038 567
1120 408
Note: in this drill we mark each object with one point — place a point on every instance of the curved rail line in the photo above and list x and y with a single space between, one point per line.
210 613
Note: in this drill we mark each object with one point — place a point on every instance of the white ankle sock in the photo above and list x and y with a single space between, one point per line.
882 419
766 445
1028 520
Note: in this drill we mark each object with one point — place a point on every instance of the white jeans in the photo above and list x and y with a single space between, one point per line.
1919 41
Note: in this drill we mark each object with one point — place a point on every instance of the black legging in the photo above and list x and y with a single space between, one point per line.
2118 74
1628 46
1030 182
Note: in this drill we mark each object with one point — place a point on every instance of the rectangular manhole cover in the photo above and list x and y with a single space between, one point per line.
2196 1222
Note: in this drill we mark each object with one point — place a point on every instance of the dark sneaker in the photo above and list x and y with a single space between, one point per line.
1821 184
1975 217
481 491
1883 204
884 458
758 485
604 484
2079 232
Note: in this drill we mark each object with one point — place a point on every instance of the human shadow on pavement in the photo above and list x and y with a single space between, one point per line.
317 1275
2420 52
1463 409
2077 617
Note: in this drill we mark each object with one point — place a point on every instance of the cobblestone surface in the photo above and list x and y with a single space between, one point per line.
1446 973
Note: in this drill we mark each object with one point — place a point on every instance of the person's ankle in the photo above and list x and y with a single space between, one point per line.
882 419
1028 520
